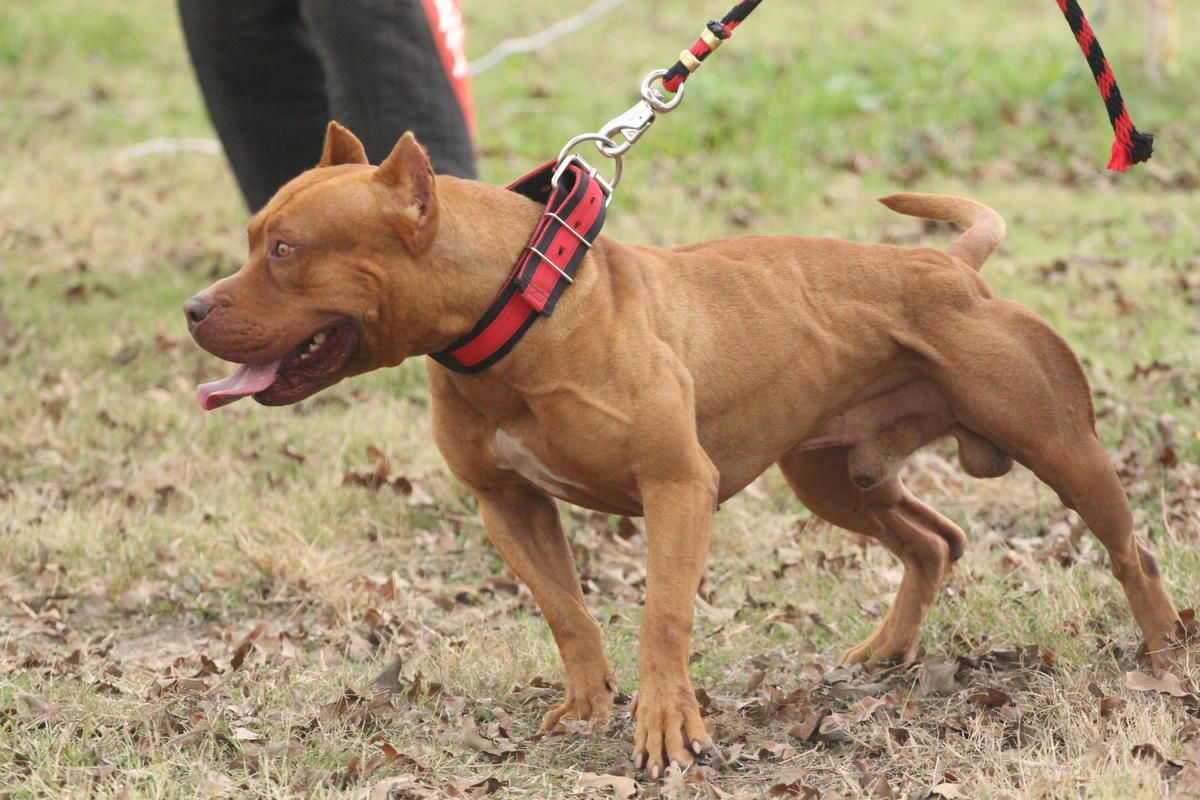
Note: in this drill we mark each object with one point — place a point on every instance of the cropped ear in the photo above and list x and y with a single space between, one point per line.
341 147
408 173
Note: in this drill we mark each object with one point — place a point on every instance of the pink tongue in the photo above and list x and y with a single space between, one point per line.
248 379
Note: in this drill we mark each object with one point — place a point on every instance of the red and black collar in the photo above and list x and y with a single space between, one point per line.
574 214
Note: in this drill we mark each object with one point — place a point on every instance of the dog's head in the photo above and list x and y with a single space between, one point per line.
330 256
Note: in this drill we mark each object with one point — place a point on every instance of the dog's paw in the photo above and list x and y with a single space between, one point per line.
872 653
1176 652
669 728
589 701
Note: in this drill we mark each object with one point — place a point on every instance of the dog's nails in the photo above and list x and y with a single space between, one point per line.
697 745
639 760
654 771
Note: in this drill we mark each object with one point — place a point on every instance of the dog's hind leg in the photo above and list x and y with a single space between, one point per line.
925 541
1012 379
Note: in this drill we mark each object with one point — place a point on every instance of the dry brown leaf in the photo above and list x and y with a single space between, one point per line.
1148 752
243 648
778 750
389 679
399 786
950 791
1111 706
488 785
622 786
989 698
805 729
41 710
215 784
244 734
874 784
1169 683
474 740
938 679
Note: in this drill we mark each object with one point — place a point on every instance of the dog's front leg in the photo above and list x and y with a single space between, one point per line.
524 526
679 521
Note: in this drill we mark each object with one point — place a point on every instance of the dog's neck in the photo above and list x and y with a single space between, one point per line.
481 232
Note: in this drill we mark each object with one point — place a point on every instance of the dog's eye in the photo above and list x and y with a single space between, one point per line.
282 249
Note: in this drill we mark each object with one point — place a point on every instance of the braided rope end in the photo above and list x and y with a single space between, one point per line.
1139 149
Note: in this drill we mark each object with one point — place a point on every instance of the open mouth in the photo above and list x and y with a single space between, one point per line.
315 363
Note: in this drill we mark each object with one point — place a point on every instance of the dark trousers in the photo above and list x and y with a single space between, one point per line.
274 72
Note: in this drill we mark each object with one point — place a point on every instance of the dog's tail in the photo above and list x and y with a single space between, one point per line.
984 227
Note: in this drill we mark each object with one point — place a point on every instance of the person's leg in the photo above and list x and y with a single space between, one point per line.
264 87
386 76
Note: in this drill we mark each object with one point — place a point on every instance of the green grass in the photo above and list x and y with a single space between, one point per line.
142 536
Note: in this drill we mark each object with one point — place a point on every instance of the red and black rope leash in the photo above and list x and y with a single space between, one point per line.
1130 146
576 197
710 39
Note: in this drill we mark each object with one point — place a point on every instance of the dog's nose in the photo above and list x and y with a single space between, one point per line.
196 309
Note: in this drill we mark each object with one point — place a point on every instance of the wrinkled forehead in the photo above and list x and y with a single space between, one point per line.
317 192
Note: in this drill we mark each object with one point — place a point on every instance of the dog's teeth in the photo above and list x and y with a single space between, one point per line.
320 337
308 348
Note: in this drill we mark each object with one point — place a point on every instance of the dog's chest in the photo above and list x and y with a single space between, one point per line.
512 454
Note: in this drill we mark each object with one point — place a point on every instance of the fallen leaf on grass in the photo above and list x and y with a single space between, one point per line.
622 787
377 474
41 711
874 784
1169 683
793 785
243 648
216 785
389 680
474 740
778 750
243 734
1148 752
1111 706
938 679
805 729
989 698
402 786
356 770
949 791
465 788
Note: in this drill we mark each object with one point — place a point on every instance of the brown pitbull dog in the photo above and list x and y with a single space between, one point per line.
665 382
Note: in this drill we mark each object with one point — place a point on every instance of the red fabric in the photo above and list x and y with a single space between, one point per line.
543 282
496 334
449 33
